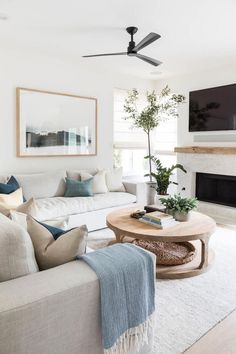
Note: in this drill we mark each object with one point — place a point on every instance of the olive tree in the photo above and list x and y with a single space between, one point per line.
160 107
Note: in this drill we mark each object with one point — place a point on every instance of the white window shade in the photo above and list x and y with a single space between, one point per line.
164 138
126 136
130 144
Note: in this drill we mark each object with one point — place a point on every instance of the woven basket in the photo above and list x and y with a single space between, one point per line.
169 253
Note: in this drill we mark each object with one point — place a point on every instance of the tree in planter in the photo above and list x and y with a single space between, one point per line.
159 108
162 174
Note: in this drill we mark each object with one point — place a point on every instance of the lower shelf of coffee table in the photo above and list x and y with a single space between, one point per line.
186 270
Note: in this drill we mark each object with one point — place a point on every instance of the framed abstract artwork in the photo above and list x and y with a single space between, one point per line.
55 124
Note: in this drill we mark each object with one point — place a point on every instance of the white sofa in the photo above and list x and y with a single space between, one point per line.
48 189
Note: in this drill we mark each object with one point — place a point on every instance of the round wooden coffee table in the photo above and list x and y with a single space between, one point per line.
199 228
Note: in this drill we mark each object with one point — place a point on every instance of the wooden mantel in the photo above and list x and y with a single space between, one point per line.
222 150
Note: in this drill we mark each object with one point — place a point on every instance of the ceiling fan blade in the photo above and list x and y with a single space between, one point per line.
148 59
151 37
104 55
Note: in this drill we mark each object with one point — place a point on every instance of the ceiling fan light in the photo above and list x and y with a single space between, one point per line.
133 49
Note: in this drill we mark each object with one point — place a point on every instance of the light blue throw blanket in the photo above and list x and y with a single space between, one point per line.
126 276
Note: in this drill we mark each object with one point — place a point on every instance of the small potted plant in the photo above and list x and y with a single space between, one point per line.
162 177
179 207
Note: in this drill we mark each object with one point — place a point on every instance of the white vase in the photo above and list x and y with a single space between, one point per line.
157 199
151 192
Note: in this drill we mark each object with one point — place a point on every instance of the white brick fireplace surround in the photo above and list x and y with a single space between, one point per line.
211 162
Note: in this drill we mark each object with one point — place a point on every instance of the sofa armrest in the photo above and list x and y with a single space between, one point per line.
53 311
137 188
41 285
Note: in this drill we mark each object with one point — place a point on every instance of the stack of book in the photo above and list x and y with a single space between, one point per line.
158 219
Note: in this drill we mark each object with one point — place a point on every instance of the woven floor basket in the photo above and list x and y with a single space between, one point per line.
169 253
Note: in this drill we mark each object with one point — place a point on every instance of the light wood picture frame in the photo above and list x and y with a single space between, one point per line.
55 124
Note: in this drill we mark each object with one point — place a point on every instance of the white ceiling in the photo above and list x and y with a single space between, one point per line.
196 35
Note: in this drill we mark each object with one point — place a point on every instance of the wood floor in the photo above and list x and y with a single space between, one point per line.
222 338
219 340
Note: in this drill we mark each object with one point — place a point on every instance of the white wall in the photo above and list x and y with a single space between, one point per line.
39 71
199 80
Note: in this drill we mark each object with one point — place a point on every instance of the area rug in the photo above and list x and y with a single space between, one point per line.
186 309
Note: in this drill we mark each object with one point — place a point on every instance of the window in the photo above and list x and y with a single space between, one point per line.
130 144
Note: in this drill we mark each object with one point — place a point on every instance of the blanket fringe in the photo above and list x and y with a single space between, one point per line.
133 339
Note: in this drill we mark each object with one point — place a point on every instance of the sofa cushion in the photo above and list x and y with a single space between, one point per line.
114 180
79 188
50 252
99 181
52 208
16 251
42 185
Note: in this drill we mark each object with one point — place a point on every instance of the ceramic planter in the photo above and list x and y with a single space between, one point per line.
170 212
151 192
181 216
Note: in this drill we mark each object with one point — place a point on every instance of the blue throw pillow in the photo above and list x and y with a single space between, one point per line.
79 189
55 231
11 186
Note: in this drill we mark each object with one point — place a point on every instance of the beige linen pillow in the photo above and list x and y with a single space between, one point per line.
16 251
114 180
12 200
28 207
99 181
50 252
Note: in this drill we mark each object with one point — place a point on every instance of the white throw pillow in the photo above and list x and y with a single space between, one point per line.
75 174
3 179
28 207
12 200
114 180
16 251
99 181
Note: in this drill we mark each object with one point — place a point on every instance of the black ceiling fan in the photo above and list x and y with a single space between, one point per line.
133 49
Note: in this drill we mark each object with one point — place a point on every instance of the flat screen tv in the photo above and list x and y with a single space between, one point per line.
213 109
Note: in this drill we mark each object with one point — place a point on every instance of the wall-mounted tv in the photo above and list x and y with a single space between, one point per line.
213 109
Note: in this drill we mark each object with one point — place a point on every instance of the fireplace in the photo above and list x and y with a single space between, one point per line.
217 189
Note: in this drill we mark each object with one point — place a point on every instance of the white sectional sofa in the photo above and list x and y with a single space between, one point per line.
57 311
48 189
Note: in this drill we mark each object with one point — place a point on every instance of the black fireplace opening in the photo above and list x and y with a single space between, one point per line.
217 189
